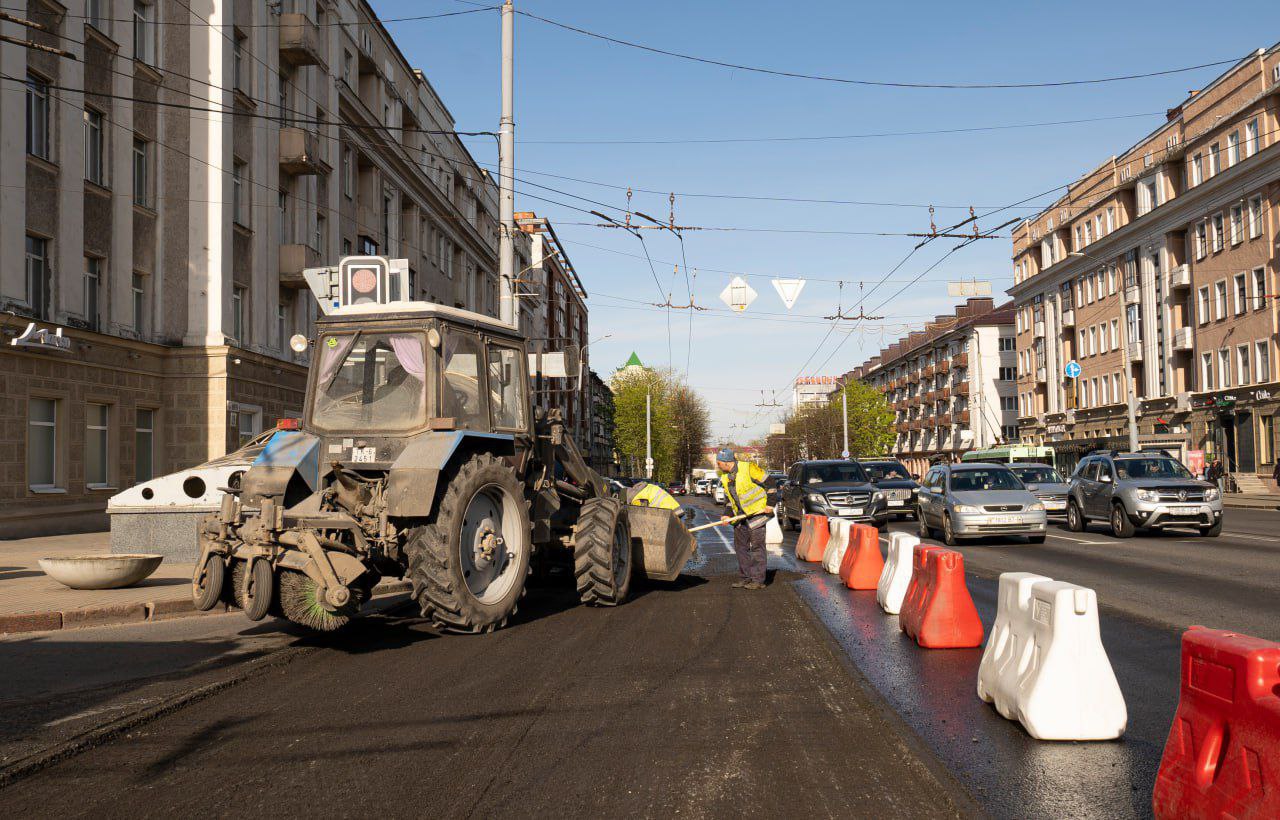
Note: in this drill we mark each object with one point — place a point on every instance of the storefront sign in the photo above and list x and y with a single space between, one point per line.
1195 461
42 339
1056 429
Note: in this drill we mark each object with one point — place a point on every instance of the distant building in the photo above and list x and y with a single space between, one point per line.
810 391
600 445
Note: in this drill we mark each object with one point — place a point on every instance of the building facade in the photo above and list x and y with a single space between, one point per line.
951 385
163 194
1155 275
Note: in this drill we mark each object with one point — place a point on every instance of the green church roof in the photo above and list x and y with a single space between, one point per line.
634 361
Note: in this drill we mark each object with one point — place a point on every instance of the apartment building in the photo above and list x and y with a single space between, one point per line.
951 385
163 194
601 456
1155 273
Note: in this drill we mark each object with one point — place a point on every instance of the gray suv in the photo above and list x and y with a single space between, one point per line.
1133 490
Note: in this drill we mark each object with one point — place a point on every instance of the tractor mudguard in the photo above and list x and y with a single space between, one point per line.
291 457
411 482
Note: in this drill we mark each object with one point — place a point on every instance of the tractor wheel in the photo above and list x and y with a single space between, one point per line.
602 553
468 566
261 588
206 587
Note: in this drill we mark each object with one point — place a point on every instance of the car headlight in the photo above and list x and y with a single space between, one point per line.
1037 506
817 499
1211 494
966 508
877 496
1149 496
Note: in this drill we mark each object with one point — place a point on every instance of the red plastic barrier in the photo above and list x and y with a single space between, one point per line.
914 597
862 562
943 616
1222 758
814 533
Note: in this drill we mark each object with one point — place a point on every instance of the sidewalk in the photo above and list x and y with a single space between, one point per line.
1251 501
30 601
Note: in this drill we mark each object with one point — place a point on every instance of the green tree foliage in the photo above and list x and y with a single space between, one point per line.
680 420
817 432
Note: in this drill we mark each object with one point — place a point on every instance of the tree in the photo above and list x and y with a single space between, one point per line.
680 422
817 431
692 421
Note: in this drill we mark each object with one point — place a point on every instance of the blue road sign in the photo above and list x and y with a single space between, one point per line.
1072 369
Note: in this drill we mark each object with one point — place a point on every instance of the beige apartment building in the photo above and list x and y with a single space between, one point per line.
951 385
1156 273
161 196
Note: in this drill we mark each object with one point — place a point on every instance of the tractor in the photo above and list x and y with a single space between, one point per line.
420 455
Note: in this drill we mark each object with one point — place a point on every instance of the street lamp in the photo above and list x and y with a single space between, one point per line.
1130 399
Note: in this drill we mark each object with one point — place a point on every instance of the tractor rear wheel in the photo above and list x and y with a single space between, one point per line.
602 553
468 567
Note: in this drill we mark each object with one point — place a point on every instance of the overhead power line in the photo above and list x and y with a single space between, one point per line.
798 75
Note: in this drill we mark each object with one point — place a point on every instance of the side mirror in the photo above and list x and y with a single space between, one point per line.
1105 478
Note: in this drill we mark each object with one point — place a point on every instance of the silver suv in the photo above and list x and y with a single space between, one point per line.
1148 490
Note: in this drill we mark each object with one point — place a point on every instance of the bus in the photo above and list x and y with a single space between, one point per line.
1012 454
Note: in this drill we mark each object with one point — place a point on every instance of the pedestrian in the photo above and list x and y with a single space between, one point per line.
1215 473
744 491
1275 472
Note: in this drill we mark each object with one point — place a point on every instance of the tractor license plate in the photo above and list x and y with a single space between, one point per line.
850 511
364 455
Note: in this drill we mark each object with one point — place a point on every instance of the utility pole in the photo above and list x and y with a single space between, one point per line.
648 434
506 174
844 416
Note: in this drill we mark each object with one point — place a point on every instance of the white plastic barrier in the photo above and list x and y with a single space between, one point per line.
1059 685
896 575
837 544
772 533
997 673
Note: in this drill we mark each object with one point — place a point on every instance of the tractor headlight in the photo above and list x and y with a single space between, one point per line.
1211 494
1150 496
298 343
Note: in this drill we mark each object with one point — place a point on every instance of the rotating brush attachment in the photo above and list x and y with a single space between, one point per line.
300 602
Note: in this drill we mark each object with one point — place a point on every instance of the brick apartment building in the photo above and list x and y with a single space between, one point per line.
1156 272
166 243
950 385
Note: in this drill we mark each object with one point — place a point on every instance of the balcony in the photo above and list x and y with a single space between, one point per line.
913 377
960 389
962 417
1039 329
960 360
1180 277
945 420
299 151
1041 375
929 371
1131 294
1135 351
293 260
1183 339
944 365
944 393
903 427
299 40
1068 317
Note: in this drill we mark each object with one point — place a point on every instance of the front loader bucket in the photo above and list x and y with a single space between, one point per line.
661 542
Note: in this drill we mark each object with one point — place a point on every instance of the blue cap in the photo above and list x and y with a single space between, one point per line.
725 455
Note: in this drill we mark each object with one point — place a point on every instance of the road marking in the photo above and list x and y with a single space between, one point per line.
1250 535
1077 540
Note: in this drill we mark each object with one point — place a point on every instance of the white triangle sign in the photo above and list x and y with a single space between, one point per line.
788 290
739 295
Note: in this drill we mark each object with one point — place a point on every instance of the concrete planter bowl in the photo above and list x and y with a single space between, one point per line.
100 571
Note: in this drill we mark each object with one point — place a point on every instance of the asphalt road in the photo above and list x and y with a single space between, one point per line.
693 699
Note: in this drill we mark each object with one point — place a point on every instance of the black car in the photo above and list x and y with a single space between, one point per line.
895 482
834 488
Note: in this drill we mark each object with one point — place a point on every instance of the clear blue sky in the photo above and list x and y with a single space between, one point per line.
570 87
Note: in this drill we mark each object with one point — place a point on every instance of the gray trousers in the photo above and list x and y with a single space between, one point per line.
748 543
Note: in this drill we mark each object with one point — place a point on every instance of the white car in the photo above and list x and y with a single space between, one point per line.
718 494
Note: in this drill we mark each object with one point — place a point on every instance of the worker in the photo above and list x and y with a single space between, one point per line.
746 496
644 494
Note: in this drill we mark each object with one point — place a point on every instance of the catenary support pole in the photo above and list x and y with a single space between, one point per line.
506 174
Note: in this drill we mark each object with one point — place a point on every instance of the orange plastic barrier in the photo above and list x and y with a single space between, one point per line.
862 562
814 532
1222 758
941 615
915 588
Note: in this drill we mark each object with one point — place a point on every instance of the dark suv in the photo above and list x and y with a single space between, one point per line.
895 483
835 488
1132 490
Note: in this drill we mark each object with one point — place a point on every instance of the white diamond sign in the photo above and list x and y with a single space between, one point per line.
739 295
788 290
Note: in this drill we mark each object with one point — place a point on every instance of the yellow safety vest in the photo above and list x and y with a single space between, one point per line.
651 495
752 497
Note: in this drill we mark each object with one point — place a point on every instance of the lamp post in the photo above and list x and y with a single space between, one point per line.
1131 400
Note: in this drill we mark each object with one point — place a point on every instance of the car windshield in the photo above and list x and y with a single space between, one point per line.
823 473
992 479
1150 468
370 382
886 472
1038 475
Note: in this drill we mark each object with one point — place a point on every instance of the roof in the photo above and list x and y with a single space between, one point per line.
634 361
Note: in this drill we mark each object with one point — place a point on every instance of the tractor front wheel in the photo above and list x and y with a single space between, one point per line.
602 553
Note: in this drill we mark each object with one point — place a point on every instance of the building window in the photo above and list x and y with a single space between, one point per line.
238 76
1093 341
386 219
282 205
144 46
141 177
1261 361
42 444
92 290
94 16
282 330
1233 148
1134 325
1197 168
239 213
321 238
348 178
144 445
37 117
248 424
1251 138
367 246
1215 160
1206 371
1102 338
1217 232
1242 293
1007 343
347 60
97 456
1202 304
1106 390
1242 364
39 297
238 295
1202 244
1259 288
138 286
1008 404
1224 368
1111 216
1255 217
1220 299
93 153
1237 224
1115 334
1007 374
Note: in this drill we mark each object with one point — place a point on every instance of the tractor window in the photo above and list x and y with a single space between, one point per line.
463 398
506 393
371 381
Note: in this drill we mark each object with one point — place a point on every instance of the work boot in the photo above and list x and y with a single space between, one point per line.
753 585
741 583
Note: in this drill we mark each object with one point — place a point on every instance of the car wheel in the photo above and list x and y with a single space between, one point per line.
1121 526
1075 520
948 533
1213 530
922 526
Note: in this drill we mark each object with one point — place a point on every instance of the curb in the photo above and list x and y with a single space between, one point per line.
165 609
